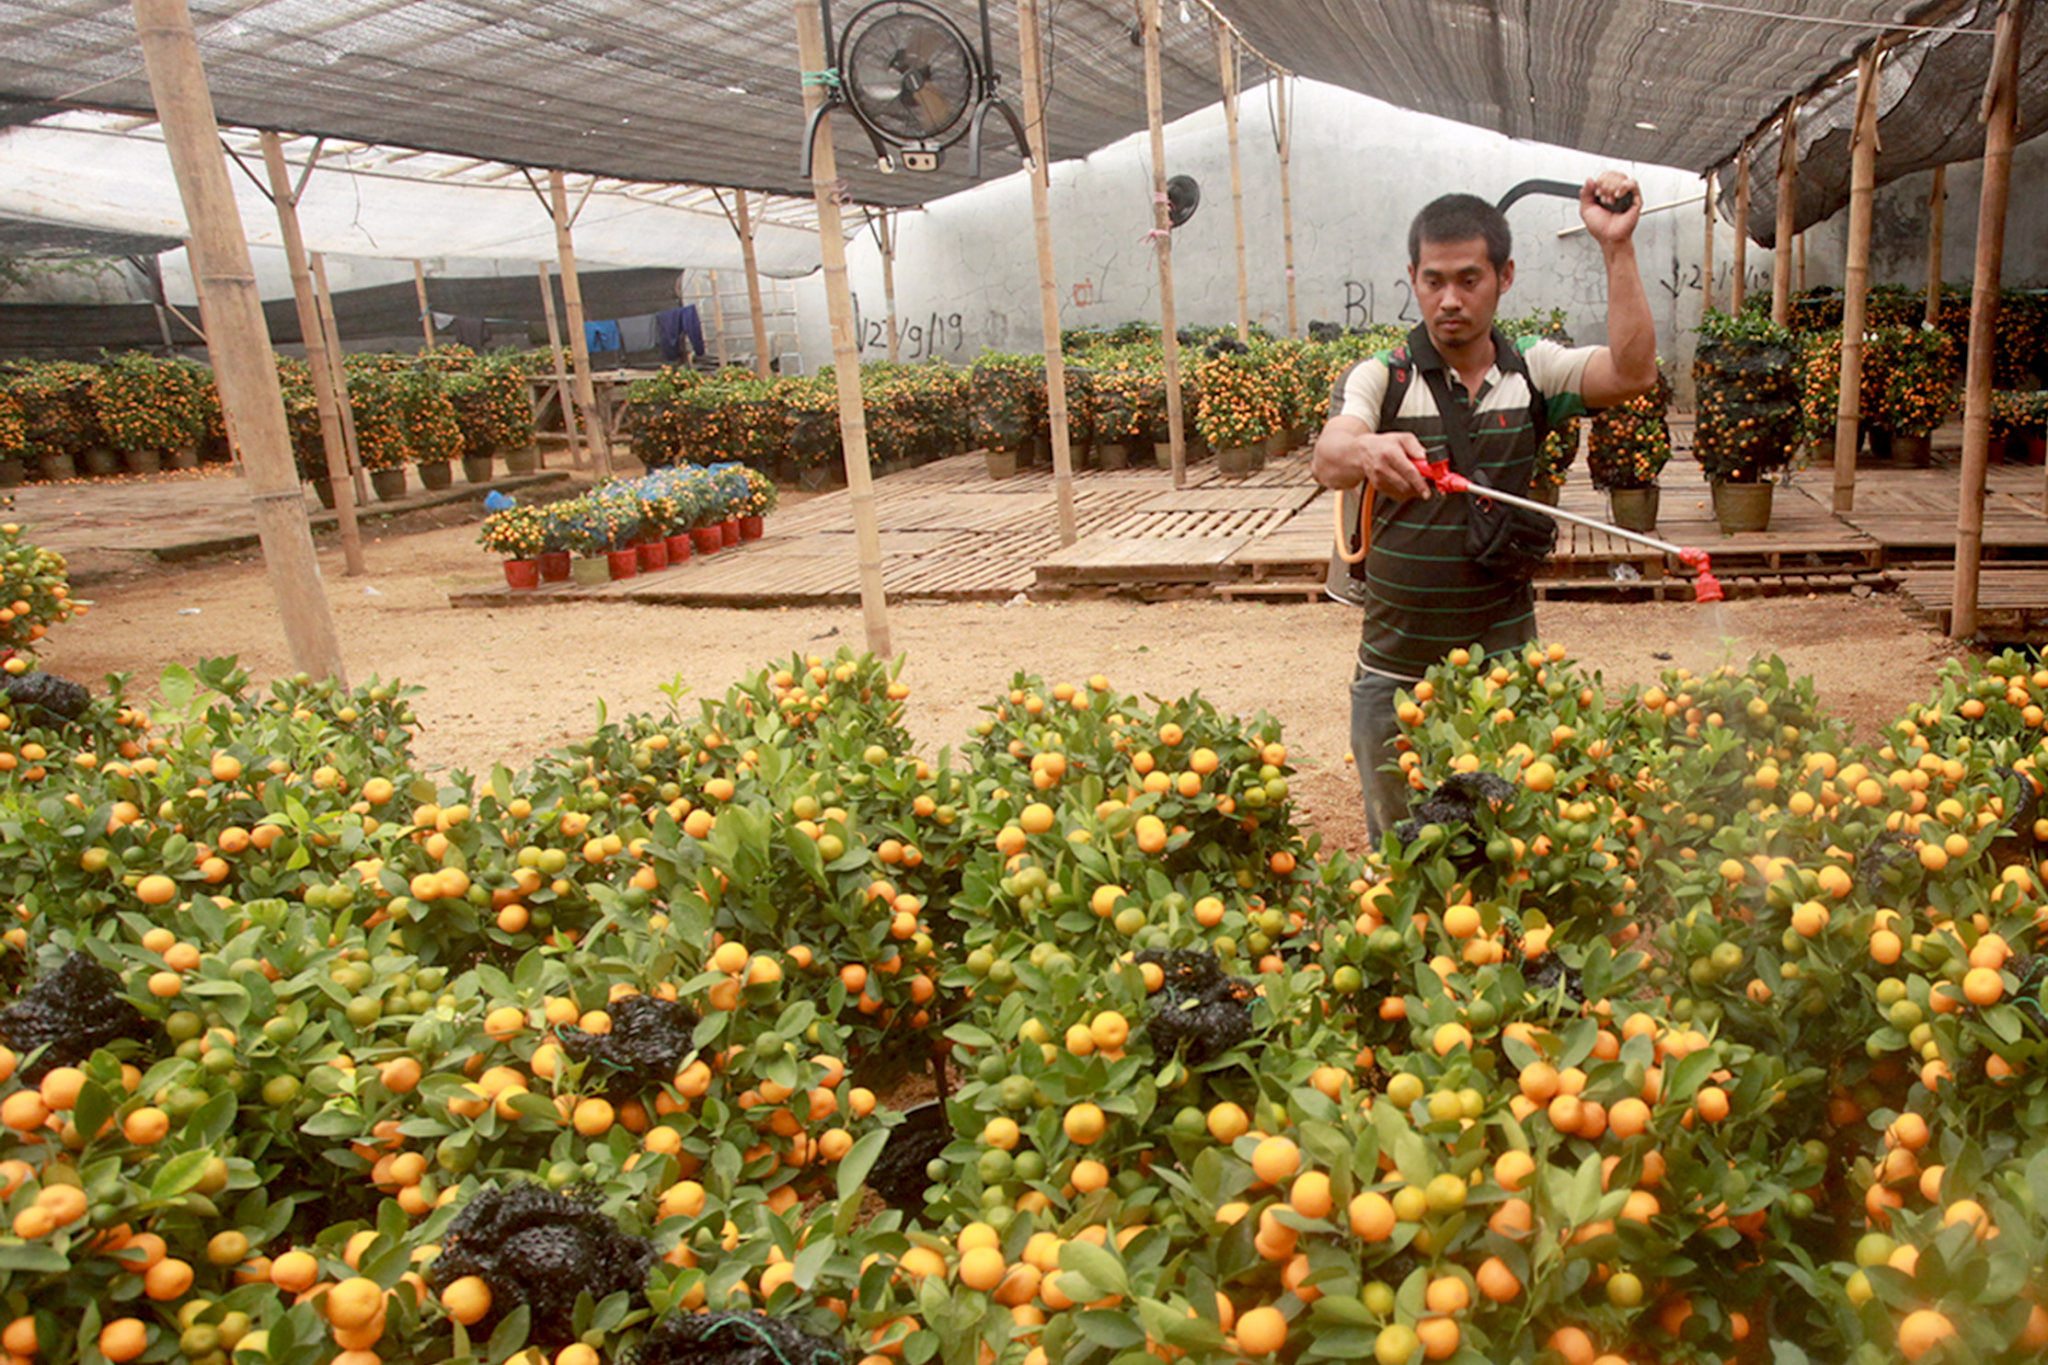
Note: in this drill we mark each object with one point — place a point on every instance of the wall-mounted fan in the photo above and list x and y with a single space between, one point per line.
1183 197
909 76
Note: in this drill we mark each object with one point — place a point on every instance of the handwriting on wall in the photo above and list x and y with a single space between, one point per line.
938 333
1084 294
1363 306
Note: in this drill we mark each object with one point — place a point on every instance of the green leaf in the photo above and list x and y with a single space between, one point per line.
1110 1328
855 1165
1096 1265
810 1260
180 1175
510 1335
32 1257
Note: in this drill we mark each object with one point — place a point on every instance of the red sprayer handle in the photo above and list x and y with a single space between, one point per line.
1441 476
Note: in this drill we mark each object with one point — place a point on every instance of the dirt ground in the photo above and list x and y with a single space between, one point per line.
505 685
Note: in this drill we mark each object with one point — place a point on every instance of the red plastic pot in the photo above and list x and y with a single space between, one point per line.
554 566
679 548
707 539
653 555
522 573
729 531
752 528
623 563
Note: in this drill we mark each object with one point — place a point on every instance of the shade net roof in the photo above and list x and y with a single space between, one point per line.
649 90
26 237
687 91
113 173
1928 94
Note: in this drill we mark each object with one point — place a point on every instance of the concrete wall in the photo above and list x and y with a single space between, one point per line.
966 270
1898 224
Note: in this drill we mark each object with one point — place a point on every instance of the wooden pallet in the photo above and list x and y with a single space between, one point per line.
2012 603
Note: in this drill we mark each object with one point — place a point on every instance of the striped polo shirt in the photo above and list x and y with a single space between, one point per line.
1424 596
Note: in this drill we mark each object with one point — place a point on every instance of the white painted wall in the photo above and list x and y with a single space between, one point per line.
966 268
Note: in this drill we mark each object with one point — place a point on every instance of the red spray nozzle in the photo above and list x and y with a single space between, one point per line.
1706 587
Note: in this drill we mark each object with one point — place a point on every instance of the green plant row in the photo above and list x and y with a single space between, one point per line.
622 512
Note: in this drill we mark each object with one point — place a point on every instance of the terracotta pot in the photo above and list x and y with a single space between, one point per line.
184 456
2037 448
436 474
1237 461
554 566
1002 464
707 539
476 468
1545 494
389 483
57 466
590 570
729 531
1917 451
142 461
11 471
1276 445
622 563
1162 454
101 461
1743 506
323 489
522 574
679 548
523 460
753 528
1113 455
1633 509
653 555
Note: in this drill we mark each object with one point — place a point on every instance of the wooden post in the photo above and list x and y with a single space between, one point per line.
1740 284
1937 209
1788 209
853 430
886 231
1226 57
419 286
1707 254
570 427
1285 132
1162 241
2001 101
286 199
1048 279
746 232
244 370
717 322
338 376
1856 278
579 343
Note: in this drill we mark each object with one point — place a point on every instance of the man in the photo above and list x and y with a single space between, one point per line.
1424 591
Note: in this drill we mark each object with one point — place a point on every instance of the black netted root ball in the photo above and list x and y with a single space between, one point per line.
650 1040
70 1014
745 1337
536 1247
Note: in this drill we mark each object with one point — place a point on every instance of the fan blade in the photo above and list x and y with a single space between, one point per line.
933 104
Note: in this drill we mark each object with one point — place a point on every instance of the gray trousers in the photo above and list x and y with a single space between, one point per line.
1373 728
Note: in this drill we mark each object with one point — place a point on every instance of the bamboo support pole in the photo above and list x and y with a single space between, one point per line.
1226 59
338 375
563 395
419 286
1782 243
1800 242
1856 279
760 316
717 347
579 342
1998 112
853 431
1162 241
1738 283
886 231
1707 253
1937 210
1285 118
1040 172
238 342
313 335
